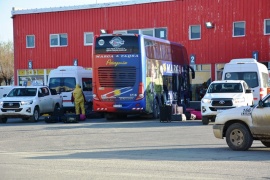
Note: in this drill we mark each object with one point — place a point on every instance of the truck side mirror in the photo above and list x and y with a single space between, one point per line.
260 104
248 90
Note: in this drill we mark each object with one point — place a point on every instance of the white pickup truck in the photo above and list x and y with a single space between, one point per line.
223 95
244 124
28 103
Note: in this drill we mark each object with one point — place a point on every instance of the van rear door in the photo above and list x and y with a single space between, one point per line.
63 86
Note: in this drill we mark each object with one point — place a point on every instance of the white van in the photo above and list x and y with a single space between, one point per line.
254 73
64 79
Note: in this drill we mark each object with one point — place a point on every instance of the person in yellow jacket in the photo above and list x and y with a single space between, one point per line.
79 99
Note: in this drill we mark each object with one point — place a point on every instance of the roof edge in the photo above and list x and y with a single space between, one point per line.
81 7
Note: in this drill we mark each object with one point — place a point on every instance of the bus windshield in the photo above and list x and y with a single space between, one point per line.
117 44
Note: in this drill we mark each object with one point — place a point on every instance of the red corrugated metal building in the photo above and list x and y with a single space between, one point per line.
47 38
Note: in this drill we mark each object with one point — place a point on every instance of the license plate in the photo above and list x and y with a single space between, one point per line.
220 110
117 105
10 110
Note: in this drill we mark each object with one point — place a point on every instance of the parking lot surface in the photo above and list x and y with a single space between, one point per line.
133 148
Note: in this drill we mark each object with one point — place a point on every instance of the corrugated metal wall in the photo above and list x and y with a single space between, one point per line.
215 46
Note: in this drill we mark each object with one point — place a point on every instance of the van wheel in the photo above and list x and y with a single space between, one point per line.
3 120
205 120
35 115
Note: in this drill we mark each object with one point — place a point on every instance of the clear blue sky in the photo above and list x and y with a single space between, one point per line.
6 27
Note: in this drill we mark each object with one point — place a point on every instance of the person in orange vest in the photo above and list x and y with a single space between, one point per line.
79 99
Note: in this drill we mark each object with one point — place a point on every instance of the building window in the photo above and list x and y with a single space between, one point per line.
161 33
267 26
239 29
194 32
58 40
88 38
30 41
120 32
148 32
158 32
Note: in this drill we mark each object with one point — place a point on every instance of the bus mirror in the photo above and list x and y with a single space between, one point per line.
248 90
192 72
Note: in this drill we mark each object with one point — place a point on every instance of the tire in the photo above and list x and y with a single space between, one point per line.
35 115
156 110
110 116
3 120
122 116
205 120
238 137
266 143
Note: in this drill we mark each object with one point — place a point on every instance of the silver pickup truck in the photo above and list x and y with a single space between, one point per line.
241 126
28 103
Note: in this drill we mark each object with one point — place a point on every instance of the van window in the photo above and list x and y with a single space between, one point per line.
87 84
62 84
251 78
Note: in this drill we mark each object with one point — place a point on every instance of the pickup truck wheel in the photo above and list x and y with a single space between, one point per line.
3 120
35 115
266 143
238 137
205 120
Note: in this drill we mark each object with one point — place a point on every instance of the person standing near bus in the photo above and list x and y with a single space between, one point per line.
79 99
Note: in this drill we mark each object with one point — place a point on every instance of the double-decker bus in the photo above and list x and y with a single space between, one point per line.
136 74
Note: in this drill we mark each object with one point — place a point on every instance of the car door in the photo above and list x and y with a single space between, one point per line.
249 96
261 117
44 100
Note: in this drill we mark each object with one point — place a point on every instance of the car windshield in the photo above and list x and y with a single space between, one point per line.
225 88
18 92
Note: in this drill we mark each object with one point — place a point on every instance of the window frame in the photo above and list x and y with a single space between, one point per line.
59 40
148 30
190 32
27 44
120 32
140 31
233 29
266 33
85 38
